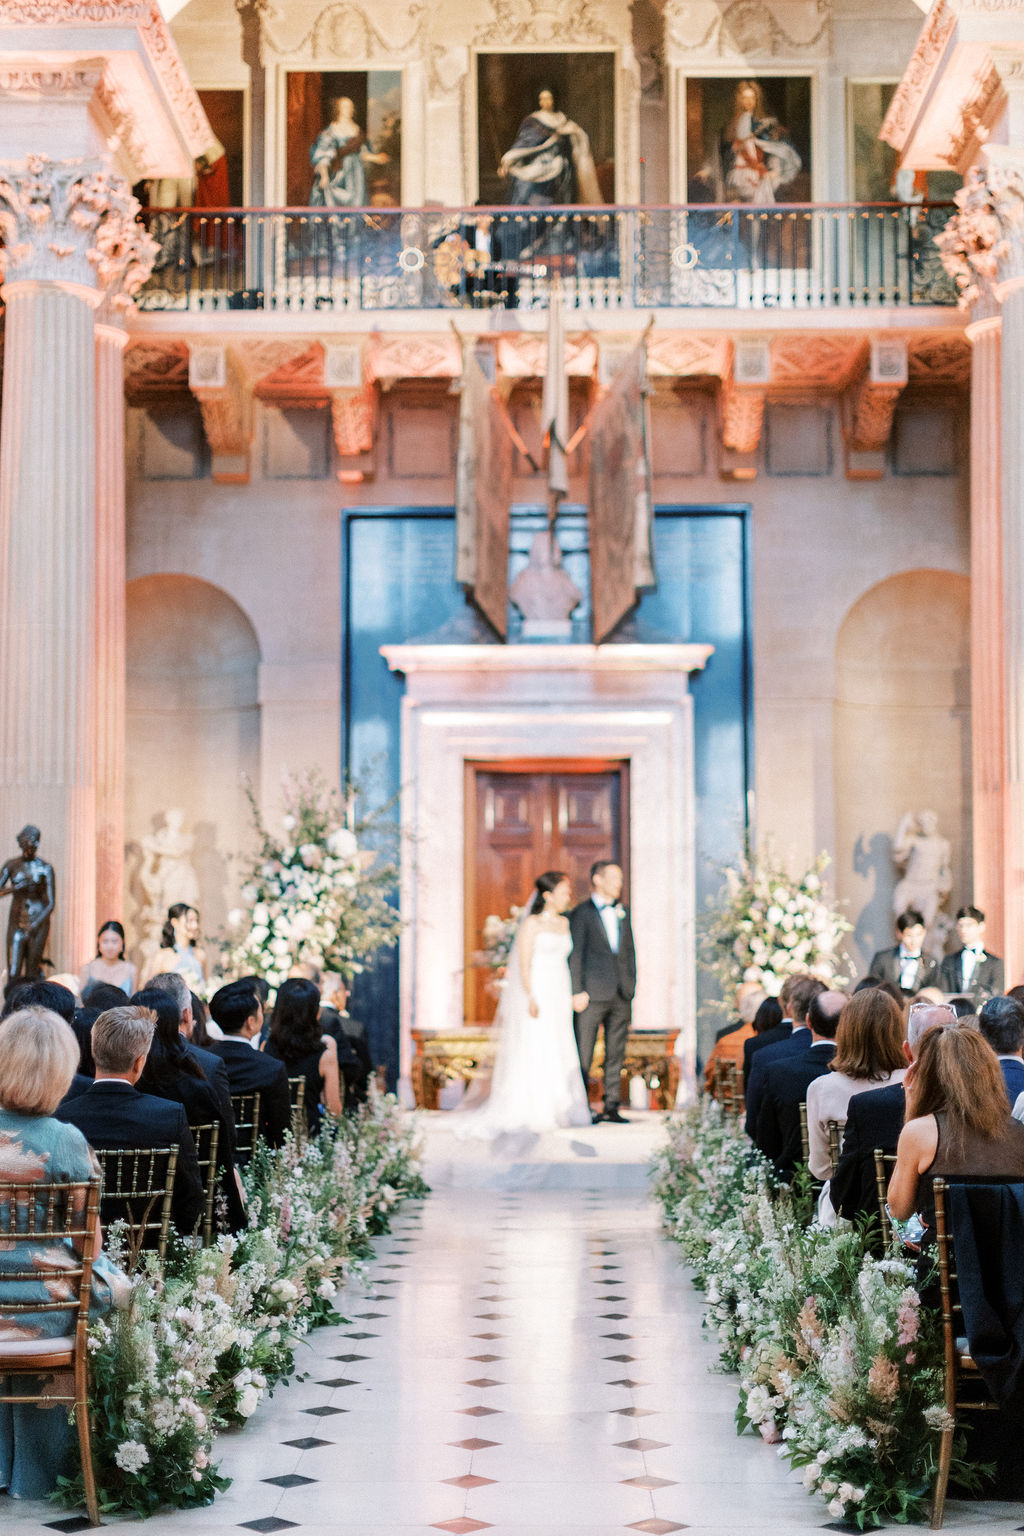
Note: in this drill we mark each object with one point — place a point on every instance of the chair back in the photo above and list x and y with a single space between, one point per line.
207 1140
805 1138
835 1145
138 1189
45 1216
885 1162
297 1094
246 1110
727 1085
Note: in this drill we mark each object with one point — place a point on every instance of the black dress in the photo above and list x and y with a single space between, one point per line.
307 1067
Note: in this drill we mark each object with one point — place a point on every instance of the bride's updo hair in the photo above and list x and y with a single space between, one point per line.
544 883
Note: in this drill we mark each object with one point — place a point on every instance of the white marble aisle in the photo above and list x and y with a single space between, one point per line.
522 1363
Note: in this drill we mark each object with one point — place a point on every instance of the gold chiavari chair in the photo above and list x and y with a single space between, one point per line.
44 1216
885 1162
835 1145
805 1137
207 1140
297 1094
246 1109
138 1189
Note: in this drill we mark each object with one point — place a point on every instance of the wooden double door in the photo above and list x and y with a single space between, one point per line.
525 817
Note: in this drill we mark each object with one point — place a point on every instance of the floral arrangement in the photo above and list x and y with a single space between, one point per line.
839 1361
499 934
765 926
317 893
213 1330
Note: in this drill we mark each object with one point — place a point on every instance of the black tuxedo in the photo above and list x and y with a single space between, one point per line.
216 1075
874 1119
116 1115
354 1060
758 1042
986 982
609 979
785 1089
250 1071
886 966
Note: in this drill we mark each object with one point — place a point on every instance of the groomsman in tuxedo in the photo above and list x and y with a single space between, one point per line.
906 965
972 972
603 970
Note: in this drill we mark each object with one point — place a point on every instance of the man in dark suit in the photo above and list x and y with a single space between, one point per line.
112 1113
972 970
214 1069
798 991
1001 1022
875 1119
603 969
772 1036
906 965
788 1079
349 1035
238 1013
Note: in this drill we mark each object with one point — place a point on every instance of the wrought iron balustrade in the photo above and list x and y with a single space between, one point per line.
781 256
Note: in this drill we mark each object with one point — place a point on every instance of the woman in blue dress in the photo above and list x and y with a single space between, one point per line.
339 157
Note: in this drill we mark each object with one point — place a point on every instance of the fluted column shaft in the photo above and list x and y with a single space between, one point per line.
47 600
110 621
1012 296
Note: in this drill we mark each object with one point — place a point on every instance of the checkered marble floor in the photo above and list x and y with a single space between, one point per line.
517 1362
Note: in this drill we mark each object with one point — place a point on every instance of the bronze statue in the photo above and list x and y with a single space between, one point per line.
29 882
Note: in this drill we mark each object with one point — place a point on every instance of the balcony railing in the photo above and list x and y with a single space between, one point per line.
784 256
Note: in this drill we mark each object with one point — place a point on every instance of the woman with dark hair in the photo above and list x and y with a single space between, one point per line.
171 1072
958 1121
110 964
180 950
297 1040
869 1054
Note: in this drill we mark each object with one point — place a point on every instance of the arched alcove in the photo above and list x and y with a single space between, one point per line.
902 738
193 728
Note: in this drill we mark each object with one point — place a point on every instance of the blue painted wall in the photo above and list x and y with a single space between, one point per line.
398 584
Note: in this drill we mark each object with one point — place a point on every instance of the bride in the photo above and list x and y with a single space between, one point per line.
537 1084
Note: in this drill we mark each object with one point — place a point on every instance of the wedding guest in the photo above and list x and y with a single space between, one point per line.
958 1121
787 1080
962 1007
38 1056
802 990
875 1119
972 970
114 1112
101 995
177 989
82 1021
1001 1022
110 964
349 1036
204 1029
770 1037
869 1054
873 984
180 949
907 966
745 1015
758 1014
296 1039
237 1010
41 994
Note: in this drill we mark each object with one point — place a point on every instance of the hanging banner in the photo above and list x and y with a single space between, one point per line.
619 515
483 492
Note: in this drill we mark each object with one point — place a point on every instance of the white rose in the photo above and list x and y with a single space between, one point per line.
311 856
236 917
774 914
289 823
279 947
260 914
248 1401
342 843
836 1508
250 891
258 935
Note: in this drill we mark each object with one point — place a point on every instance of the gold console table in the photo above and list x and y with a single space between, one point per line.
445 1056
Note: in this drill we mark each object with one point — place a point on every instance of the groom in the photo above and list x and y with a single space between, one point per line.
603 969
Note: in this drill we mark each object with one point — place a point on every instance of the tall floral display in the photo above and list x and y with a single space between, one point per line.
764 925
318 892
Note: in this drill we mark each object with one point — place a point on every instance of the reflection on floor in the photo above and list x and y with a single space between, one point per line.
528 1363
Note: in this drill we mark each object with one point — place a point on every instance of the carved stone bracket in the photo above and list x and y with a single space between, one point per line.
225 399
872 407
742 417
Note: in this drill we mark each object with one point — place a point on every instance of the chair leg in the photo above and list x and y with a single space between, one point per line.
942 1478
85 1443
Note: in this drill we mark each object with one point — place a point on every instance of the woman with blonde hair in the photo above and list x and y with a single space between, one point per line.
958 1121
869 1054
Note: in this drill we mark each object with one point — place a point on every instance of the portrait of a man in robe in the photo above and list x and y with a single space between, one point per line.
546 129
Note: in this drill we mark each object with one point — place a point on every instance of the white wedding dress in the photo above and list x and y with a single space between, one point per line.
536 1084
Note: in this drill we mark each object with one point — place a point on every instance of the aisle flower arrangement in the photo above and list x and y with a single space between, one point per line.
838 1359
317 892
764 925
209 1333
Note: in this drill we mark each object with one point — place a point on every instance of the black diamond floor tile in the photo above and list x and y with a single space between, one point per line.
338 1381
362 1335
604 1336
307 1443
323 1413
289 1480
613 1317
369 1317
267 1524
349 1359
70 1523
621 1359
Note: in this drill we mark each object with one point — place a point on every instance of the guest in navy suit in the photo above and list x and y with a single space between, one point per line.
1001 1022
238 1013
112 1113
788 1079
797 993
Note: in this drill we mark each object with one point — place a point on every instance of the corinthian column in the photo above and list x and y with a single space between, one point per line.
67 229
110 616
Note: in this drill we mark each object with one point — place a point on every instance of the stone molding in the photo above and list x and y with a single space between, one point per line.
341 30
911 91
748 29
73 221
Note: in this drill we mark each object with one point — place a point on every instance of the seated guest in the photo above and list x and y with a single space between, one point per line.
237 1011
101 996
869 1054
770 1037
873 984
295 1039
906 965
114 1113
958 1121
349 1035
874 1120
38 1056
262 988
82 1021
764 1012
213 1068
110 963
41 994
801 991
1001 1022
172 1072
972 971
204 1030
745 1012
787 1080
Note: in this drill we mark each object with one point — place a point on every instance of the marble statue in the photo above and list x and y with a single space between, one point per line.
924 857
167 875
29 882
544 592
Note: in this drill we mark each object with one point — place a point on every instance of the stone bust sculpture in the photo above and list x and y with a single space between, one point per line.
923 855
29 882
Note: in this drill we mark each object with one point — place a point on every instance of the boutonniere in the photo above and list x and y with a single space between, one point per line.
619 910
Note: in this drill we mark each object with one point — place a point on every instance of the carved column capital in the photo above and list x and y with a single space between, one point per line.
72 221
970 244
